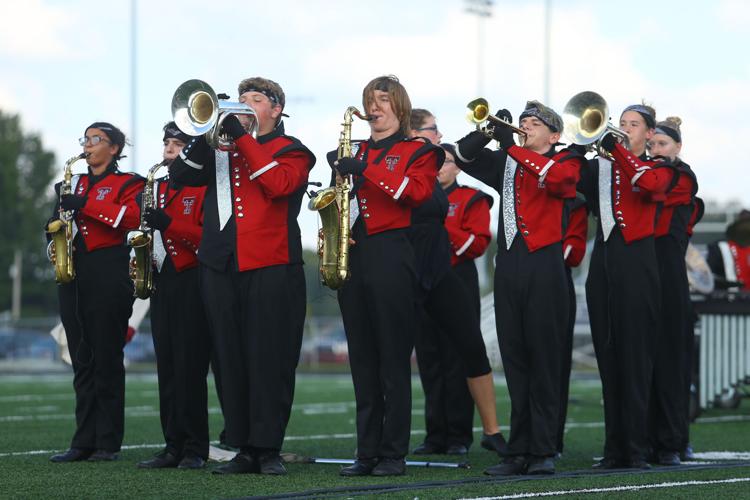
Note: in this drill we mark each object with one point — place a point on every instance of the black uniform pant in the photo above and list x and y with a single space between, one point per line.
623 295
566 360
531 314
449 348
183 348
668 417
257 318
95 308
379 311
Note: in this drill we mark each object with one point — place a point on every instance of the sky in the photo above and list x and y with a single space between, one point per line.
67 63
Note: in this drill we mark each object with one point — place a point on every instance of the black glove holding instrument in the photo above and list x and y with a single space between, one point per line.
157 218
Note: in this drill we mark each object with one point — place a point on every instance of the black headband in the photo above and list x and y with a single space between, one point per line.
644 112
273 96
172 132
665 130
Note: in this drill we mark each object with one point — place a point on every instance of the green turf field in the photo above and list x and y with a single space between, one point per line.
36 419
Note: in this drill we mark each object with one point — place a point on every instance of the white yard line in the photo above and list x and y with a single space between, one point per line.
674 484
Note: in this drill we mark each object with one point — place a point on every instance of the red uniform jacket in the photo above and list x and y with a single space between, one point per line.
574 242
400 175
110 211
268 179
184 205
637 187
467 222
541 184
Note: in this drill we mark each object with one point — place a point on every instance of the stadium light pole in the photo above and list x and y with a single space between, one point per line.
482 9
133 85
547 42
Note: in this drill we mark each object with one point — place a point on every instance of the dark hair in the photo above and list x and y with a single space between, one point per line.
114 134
400 102
418 117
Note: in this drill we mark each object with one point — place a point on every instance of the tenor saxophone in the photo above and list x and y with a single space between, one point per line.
60 248
333 206
142 241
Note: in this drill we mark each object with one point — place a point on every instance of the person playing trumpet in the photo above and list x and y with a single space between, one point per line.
531 293
252 282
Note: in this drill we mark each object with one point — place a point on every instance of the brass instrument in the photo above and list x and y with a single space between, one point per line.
197 110
60 248
142 241
479 112
333 206
586 121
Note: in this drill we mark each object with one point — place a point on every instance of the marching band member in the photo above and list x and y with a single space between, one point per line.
178 323
252 282
451 354
729 259
668 418
96 305
622 288
574 249
531 296
392 176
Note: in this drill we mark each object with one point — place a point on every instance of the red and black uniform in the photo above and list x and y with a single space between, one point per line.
178 322
623 292
531 306
252 282
96 305
730 261
669 399
574 249
449 341
378 302
449 407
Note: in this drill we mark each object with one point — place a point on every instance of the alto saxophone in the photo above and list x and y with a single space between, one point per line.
333 206
60 248
142 241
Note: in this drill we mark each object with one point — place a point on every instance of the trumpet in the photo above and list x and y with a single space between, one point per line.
586 121
197 110
479 112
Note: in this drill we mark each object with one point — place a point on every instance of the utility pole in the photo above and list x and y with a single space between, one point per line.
133 85
547 46
482 9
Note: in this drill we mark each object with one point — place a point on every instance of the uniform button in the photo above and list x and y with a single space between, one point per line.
239 207
619 212
392 191
523 225
171 247
525 233
527 161
364 207
381 183
237 176
237 184
236 169
238 199
623 226
100 216
240 215
364 200
169 241
235 155
366 216
387 187
174 253
620 219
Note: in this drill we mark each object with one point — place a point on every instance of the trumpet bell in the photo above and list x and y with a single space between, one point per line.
479 110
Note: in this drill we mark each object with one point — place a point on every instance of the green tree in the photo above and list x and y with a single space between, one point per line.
26 170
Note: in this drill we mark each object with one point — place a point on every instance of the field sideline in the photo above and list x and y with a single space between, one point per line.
36 419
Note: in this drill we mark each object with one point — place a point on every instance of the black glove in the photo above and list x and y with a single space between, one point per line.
157 218
233 127
347 166
197 150
608 142
503 135
578 148
471 144
72 202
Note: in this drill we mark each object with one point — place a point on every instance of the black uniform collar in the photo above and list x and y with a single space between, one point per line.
278 131
451 188
387 142
111 168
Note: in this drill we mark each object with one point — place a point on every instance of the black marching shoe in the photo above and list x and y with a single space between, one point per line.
668 458
161 460
103 456
511 466
71 455
638 463
191 461
360 467
494 442
687 454
390 467
541 465
271 464
242 463
608 463
428 449
456 449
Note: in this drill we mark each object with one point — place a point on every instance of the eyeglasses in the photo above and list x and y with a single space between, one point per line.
448 160
433 128
93 140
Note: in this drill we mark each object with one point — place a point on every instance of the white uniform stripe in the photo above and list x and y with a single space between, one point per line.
401 188
191 163
466 245
460 156
119 217
543 173
263 170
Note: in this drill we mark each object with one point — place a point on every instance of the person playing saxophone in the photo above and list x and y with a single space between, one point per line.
178 322
96 299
